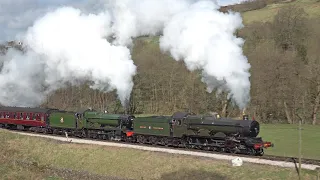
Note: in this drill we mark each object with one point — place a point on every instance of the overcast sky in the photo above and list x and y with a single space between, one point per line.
17 15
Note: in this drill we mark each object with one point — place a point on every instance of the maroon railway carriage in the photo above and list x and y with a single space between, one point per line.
23 116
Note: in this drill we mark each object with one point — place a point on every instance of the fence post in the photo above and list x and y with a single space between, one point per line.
300 142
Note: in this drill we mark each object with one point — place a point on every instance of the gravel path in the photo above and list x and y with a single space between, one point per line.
173 151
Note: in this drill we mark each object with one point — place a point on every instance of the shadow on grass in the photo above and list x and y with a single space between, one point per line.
18 169
184 174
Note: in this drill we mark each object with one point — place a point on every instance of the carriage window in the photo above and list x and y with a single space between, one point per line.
1 114
14 115
7 115
34 116
21 116
27 117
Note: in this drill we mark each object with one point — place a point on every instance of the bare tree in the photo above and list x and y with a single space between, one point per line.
290 28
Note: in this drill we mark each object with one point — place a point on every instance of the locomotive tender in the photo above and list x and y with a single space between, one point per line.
207 132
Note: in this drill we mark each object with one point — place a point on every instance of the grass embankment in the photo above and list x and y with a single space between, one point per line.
24 157
311 7
286 140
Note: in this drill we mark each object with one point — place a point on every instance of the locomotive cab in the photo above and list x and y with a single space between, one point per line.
127 120
177 125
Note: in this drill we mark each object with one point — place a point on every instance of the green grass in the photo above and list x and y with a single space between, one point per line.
312 7
25 157
286 140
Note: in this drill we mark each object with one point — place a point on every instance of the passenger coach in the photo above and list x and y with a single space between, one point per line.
23 117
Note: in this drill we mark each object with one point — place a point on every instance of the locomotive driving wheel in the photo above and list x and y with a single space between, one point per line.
260 153
233 150
251 151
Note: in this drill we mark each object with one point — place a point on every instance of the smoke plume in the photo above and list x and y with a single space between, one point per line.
203 38
65 46
87 41
134 18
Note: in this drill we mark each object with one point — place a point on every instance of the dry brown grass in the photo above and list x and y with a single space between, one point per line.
26 157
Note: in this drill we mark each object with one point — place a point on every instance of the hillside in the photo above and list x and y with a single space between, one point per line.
259 33
311 7
282 43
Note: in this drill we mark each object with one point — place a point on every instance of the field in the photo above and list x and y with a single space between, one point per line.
24 157
312 8
286 140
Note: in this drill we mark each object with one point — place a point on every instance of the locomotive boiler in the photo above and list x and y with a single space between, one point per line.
210 125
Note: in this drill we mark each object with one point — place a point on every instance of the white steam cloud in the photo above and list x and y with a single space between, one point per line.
65 46
203 37
134 18
68 45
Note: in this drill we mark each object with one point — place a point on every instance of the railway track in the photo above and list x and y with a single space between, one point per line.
294 160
